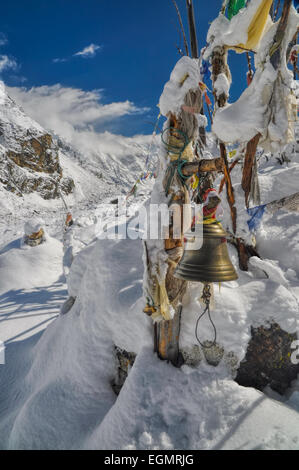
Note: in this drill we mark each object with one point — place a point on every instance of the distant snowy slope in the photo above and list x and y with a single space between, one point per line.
37 165
79 121
29 159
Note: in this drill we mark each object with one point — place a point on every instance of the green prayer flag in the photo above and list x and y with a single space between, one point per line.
234 6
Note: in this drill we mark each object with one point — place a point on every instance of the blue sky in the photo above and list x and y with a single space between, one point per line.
137 50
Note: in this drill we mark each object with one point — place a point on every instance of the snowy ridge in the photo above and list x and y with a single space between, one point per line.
15 121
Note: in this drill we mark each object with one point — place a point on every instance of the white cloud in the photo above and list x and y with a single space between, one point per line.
57 60
3 39
78 116
7 63
88 51
55 105
17 79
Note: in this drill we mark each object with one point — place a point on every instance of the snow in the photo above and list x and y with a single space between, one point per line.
184 77
33 226
31 289
72 116
63 398
10 114
55 387
164 408
73 359
225 32
202 120
222 85
265 106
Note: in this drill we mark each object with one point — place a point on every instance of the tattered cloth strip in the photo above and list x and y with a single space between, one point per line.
205 70
178 145
268 105
144 176
36 235
158 305
256 214
69 220
243 32
179 150
234 6
255 193
161 301
289 203
256 28
35 238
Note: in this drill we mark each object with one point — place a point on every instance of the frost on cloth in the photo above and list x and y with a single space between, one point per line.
243 31
268 106
184 77
222 85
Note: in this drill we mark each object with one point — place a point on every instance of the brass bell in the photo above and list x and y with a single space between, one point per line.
211 263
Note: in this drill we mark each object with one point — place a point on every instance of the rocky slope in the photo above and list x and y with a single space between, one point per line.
29 160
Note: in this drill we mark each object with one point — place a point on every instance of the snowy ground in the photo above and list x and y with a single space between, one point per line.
30 293
55 385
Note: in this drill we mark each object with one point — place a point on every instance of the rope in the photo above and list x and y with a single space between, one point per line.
276 11
206 296
63 200
176 165
175 149
250 71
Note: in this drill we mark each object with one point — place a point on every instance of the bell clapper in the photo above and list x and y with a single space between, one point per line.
206 298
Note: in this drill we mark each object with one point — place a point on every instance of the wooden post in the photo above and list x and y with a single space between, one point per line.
203 166
250 156
192 29
166 331
195 55
271 13
182 27
275 51
219 66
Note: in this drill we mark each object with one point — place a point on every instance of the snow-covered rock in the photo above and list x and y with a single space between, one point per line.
29 159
